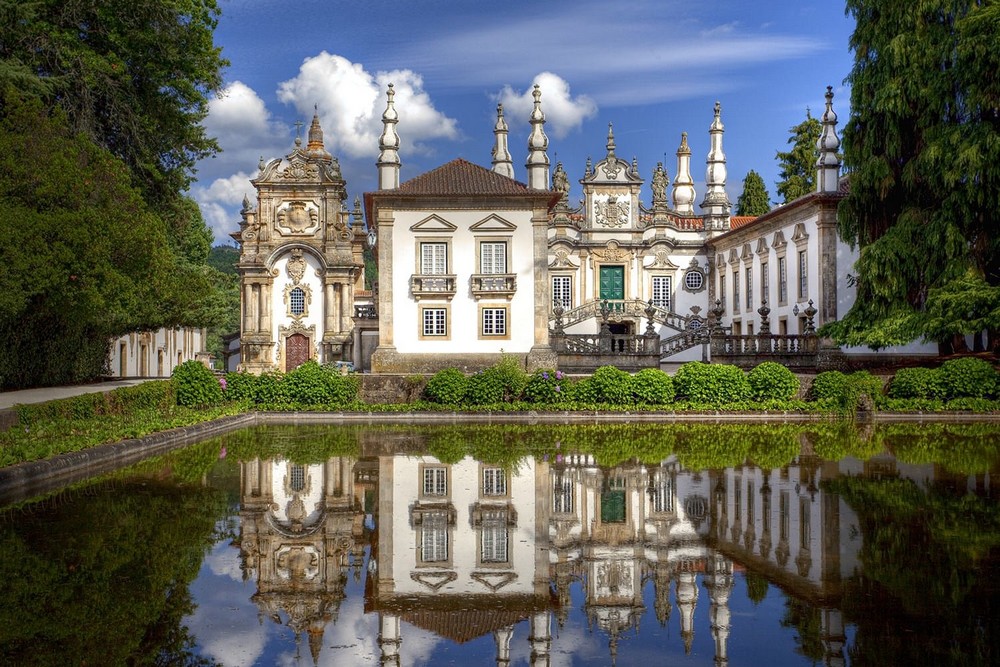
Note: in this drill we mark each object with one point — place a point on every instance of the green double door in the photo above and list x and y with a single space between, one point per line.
612 286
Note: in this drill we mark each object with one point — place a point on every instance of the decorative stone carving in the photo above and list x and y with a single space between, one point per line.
613 253
613 212
662 260
298 217
563 259
296 266
299 170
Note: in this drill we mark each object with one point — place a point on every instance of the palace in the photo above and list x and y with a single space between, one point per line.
474 264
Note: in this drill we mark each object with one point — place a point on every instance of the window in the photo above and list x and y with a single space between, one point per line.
693 280
736 290
562 291
493 257
722 290
434 537
433 258
493 541
782 280
749 288
494 321
435 481
661 292
803 275
494 482
663 493
783 516
297 478
765 282
562 495
297 301
751 504
435 321
805 529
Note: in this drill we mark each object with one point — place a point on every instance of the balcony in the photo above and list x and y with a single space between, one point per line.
436 286
493 285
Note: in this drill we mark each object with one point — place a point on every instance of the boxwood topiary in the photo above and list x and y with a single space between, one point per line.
612 385
916 383
546 386
771 380
828 385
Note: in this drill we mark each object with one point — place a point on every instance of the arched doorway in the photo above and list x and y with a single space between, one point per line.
296 351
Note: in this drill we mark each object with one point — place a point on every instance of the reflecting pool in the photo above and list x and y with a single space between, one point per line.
695 544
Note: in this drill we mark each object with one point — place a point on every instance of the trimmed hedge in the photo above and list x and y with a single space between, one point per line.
447 386
968 377
771 380
711 383
652 386
197 386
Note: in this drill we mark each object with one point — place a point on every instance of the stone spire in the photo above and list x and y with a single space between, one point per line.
716 205
502 164
687 600
388 159
315 144
719 583
611 141
538 143
828 164
684 193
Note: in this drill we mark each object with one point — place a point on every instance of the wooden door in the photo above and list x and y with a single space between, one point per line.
296 351
612 283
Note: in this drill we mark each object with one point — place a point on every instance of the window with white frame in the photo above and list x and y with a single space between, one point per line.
562 291
493 540
661 292
803 275
434 537
493 257
562 495
749 288
435 322
736 291
494 321
435 481
782 280
494 482
433 258
722 290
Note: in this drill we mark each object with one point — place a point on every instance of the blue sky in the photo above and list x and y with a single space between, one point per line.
653 68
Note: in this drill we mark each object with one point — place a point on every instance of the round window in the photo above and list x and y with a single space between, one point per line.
693 280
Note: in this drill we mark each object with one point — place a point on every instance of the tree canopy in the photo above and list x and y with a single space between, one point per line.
754 200
101 103
922 147
798 165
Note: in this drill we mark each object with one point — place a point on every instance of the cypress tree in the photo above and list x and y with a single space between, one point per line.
798 165
754 200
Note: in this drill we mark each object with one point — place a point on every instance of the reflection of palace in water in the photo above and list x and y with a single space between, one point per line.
468 549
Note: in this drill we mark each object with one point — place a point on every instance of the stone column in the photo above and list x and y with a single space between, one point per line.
330 306
265 307
541 355
247 308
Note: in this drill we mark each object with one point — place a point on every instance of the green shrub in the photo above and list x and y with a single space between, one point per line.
968 377
547 386
513 378
312 384
916 383
771 380
447 386
240 387
581 391
612 385
484 388
652 387
828 385
196 385
711 383
269 389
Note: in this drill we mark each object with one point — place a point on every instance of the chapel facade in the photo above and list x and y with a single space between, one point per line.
301 261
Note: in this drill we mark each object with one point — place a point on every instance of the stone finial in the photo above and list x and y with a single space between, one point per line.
611 141
684 194
828 163
538 143
502 163
716 204
388 158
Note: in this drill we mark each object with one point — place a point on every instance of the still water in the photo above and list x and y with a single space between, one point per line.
512 545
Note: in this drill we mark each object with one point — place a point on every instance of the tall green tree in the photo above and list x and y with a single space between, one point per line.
798 165
135 77
922 146
754 200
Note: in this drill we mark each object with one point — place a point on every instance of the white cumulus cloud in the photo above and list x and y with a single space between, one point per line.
563 112
350 102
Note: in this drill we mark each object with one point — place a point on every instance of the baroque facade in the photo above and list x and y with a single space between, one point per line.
301 262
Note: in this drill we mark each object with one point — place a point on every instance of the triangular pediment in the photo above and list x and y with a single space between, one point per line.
762 246
433 223
433 580
779 240
493 223
800 234
494 580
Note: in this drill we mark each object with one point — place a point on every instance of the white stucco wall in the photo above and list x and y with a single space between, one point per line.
155 353
315 306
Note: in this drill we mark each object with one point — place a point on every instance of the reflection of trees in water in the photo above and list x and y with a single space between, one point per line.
807 622
100 574
756 587
931 577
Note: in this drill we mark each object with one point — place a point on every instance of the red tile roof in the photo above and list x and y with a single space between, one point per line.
737 221
460 177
